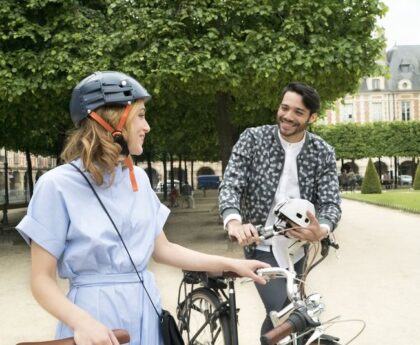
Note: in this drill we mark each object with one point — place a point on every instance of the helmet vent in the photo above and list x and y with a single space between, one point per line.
298 215
127 93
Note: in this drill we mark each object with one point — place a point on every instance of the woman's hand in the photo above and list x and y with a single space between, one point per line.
247 268
91 332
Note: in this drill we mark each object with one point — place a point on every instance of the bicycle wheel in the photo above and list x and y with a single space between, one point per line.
201 325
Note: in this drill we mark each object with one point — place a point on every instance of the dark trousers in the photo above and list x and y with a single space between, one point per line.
274 293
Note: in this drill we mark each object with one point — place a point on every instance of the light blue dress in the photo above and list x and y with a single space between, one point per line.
65 218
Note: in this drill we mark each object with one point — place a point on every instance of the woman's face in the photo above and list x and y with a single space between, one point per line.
137 129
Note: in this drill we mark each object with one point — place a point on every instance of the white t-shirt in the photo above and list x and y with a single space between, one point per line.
287 188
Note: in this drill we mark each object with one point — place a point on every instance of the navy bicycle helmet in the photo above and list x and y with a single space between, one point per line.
102 88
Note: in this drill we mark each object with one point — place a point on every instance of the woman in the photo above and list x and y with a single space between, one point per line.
70 232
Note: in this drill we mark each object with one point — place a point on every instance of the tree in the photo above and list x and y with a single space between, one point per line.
244 51
45 46
237 54
371 183
416 183
347 139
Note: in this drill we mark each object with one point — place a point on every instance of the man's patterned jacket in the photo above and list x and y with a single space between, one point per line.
254 169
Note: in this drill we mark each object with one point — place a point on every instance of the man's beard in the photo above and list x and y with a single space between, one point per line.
296 127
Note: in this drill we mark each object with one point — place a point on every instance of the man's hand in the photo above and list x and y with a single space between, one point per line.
245 234
313 232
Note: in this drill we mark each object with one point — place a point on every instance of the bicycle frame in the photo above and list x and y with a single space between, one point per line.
218 283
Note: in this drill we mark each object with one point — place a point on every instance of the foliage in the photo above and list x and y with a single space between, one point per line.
404 138
45 46
416 183
371 182
185 53
379 139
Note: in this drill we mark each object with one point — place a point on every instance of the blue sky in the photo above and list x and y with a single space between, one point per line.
402 22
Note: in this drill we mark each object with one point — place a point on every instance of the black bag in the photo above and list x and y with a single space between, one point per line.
170 331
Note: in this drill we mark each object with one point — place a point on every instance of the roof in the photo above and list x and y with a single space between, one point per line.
404 64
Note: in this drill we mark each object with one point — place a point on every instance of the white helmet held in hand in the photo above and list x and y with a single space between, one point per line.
294 210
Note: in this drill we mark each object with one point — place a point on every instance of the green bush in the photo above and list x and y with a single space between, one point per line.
371 183
416 183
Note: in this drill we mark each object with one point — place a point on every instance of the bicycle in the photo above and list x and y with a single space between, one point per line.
208 314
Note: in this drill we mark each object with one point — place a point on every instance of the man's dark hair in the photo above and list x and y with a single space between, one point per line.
310 96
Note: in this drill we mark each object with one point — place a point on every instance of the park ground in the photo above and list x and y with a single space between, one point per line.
373 277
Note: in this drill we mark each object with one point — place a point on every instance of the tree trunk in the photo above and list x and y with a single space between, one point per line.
180 177
165 177
413 167
395 172
192 175
29 172
380 169
186 171
5 219
149 168
171 172
225 129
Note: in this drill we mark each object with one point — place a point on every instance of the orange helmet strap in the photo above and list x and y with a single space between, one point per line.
117 134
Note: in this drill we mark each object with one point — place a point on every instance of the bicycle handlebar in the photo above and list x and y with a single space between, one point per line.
122 336
298 321
275 335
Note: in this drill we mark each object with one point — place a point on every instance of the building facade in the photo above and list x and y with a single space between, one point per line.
395 97
385 99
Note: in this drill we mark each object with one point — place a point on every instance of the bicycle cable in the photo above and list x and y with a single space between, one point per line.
333 321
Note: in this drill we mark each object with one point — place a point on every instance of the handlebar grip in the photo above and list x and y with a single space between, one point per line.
122 336
275 335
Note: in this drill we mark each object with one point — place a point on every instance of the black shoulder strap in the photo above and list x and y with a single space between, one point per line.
119 234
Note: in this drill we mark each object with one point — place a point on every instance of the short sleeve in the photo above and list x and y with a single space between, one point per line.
47 220
160 211
161 217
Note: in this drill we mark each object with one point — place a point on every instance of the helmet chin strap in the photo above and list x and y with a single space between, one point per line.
119 139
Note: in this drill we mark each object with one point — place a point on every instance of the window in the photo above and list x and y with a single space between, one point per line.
404 67
347 115
404 84
375 84
376 111
405 111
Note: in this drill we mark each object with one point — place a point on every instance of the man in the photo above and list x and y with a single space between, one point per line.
269 164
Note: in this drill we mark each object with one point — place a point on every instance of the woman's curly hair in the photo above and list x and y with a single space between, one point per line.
95 145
